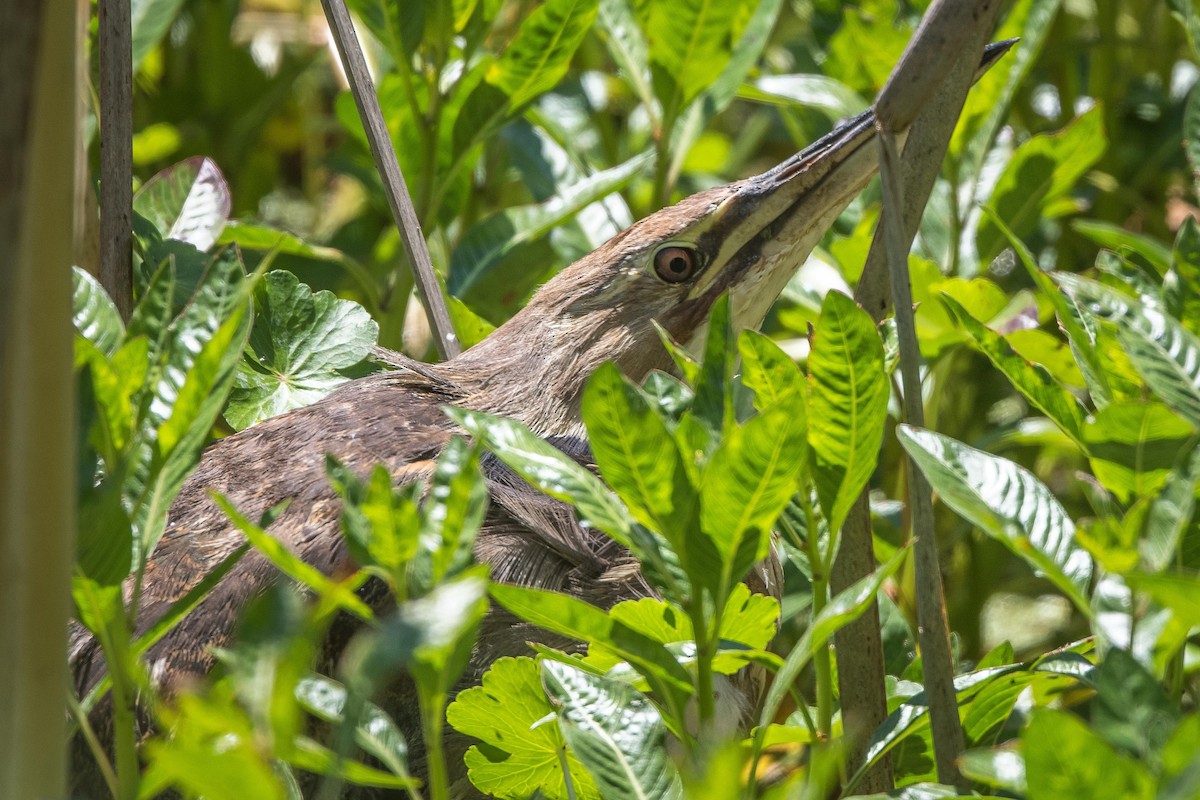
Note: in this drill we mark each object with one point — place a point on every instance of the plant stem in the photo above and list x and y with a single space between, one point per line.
431 728
822 664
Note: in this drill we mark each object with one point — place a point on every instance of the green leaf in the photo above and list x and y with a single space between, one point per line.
689 45
1191 133
533 63
291 565
998 768
568 616
1042 171
1031 380
1181 284
1171 512
847 404
453 512
300 343
1080 330
1176 591
519 753
150 20
550 470
1065 760
1006 502
768 371
615 731
1132 711
847 606
748 623
469 327
376 732
188 202
93 313
1165 353
1133 446
380 524
537 58
486 244
828 95
626 44
1114 237
748 482
637 454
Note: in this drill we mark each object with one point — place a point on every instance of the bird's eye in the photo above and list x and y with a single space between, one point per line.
675 264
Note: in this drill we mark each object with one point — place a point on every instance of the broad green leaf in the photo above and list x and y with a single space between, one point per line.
987 104
215 731
998 768
768 371
469 327
376 732
430 638
314 757
637 454
830 96
1176 591
1133 446
150 20
1132 712
533 63
910 720
520 751
188 202
923 790
1006 502
689 44
550 470
847 404
568 616
1080 329
1031 380
204 380
1042 171
1191 133
537 59
1181 284
1065 760
93 313
748 482
1117 238
615 731
749 622
300 344
1050 351
1165 353
1171 513
713 405
380 524
487 243
626 44
453 511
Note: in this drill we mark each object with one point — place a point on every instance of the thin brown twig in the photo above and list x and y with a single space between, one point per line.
399 200
950 30
116 153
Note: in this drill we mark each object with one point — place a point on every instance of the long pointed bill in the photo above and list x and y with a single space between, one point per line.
769 225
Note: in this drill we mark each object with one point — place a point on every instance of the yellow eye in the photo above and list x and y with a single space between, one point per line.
675 264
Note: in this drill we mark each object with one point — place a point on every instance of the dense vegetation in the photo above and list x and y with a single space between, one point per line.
1057 272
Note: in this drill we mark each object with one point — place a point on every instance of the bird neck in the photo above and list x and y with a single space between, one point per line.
534 367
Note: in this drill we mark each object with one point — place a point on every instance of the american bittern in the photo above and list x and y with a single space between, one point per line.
746 239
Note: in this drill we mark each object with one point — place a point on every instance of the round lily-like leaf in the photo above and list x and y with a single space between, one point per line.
301 343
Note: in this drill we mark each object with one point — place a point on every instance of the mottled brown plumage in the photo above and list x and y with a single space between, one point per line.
747 239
